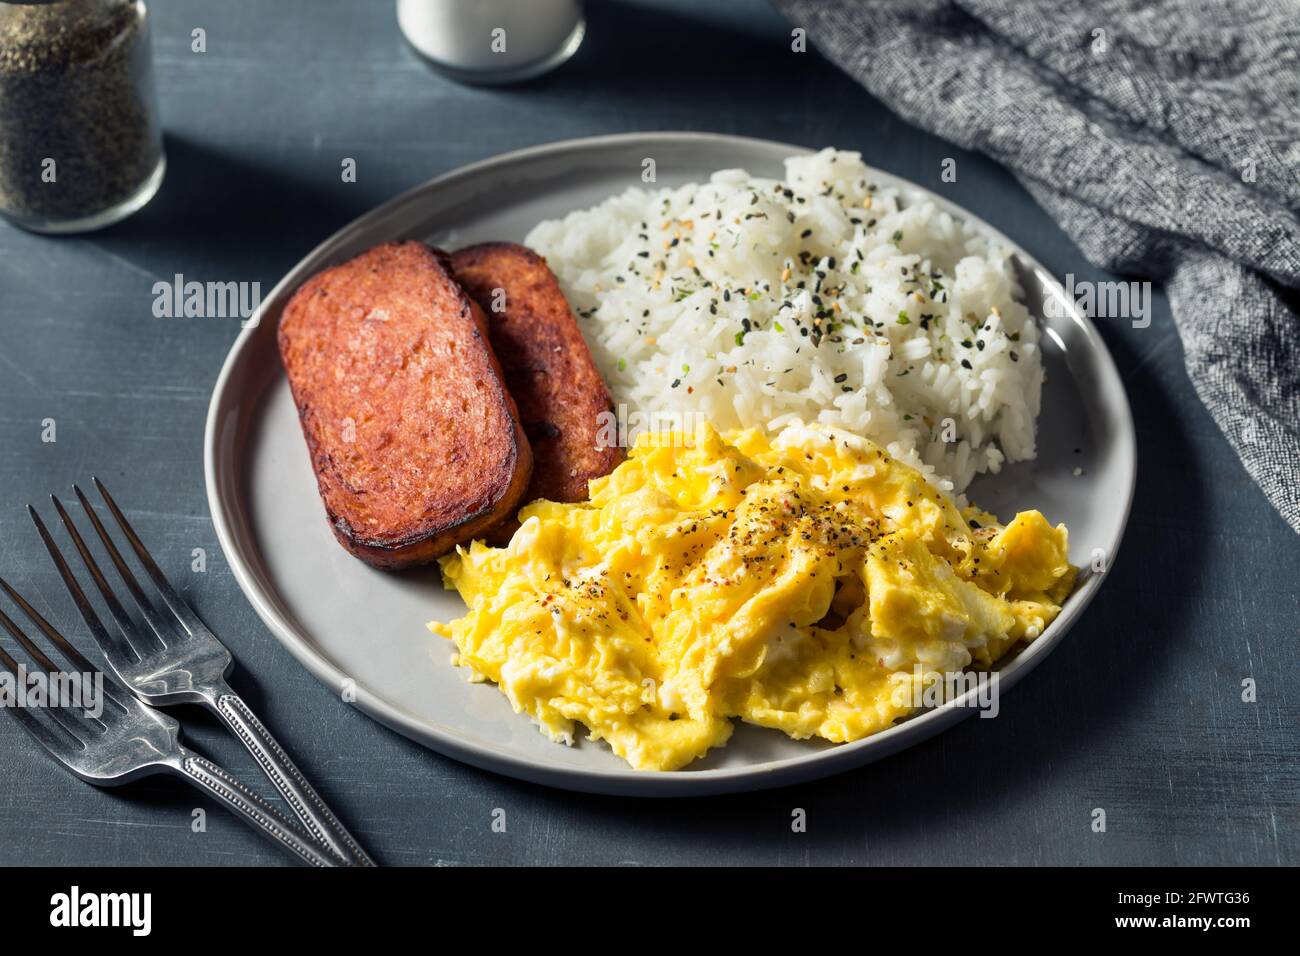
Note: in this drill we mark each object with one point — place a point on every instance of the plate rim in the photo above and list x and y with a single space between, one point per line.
813 765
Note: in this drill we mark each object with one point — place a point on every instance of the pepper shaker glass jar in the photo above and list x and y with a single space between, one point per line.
80 142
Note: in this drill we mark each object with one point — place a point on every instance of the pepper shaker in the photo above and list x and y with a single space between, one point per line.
80 142
493 41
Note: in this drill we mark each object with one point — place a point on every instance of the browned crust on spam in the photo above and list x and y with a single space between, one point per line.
548 367
416 443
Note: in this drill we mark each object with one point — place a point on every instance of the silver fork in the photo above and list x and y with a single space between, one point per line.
128 740
178 660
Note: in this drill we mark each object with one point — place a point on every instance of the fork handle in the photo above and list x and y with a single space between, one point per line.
248 806
288 779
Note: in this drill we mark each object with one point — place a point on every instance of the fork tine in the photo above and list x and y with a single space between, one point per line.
42 660
174 601
60 747
113 645
150 613
66 647
67 717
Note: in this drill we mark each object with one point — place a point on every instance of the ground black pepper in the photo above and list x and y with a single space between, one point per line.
79 139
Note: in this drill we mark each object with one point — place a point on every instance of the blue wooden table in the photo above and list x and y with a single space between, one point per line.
1140 713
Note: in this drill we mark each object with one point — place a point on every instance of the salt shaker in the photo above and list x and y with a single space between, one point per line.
493 41
80 142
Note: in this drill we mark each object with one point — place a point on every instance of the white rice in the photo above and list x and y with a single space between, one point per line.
822 298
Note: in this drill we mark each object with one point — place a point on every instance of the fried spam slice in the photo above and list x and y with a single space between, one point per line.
548 367
415 440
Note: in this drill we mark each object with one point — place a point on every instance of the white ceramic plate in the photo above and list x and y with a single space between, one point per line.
344 620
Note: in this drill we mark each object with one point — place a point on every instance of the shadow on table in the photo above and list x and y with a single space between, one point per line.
642 60
224 215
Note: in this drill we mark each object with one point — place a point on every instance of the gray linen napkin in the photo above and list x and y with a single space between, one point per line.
1163 136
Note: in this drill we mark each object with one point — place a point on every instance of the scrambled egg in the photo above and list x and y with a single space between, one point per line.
805 583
